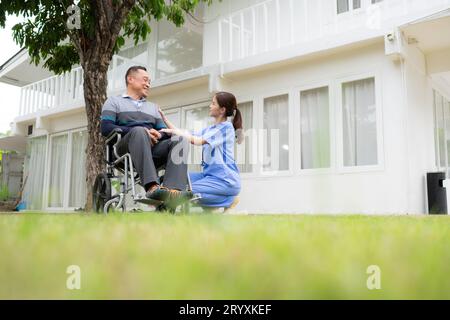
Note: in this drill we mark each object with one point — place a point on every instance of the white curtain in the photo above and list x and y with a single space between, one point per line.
57 171
359 123
440 131
34 172
195 120
442 127
446 108
315 128
356 4
276 135
77 194
243 152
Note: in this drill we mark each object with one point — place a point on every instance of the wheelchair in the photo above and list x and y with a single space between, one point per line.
120 168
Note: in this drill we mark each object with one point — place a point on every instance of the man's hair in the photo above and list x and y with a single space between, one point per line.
132 70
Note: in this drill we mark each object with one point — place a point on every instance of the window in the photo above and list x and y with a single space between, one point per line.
315 128
66 185
34 172
347 5
442 130
137 53
174 117
195 120
77 195
350 5
359 120
58 163
243 152
179 49
276 133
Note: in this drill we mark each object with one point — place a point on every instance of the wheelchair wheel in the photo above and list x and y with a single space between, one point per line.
101 192
112 206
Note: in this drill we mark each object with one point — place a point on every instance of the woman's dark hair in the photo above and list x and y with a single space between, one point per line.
228 101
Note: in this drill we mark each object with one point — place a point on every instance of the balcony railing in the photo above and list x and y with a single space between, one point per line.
272 24
67 89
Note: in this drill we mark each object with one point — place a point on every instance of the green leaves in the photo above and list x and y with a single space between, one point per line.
45 34
62 59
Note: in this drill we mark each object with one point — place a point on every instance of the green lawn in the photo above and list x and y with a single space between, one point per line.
156 256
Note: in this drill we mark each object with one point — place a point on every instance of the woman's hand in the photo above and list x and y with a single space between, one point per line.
163 116
176 132
184 133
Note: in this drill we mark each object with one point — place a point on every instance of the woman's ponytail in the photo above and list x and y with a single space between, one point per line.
228 101
237 124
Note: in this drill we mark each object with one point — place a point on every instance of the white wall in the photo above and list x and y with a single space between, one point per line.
419 126
380 191
396 187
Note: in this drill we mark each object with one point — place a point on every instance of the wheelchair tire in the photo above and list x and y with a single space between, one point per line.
101 192
111 206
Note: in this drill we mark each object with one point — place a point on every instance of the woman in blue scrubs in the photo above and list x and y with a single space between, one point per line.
219 182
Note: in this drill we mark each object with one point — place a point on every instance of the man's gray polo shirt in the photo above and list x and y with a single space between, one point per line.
126 113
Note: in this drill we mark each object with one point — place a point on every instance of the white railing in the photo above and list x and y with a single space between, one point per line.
67 89
272 24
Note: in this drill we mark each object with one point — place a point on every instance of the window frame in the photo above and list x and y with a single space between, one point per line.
341 168
65 200
435 89
332 115
183 110
292 146
350 7
45 161
365 4
242 100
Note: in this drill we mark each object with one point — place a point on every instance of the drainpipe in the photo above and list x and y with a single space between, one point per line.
405 120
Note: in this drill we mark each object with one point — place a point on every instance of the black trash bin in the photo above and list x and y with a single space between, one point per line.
437 194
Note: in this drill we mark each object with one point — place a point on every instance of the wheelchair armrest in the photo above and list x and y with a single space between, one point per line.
115 133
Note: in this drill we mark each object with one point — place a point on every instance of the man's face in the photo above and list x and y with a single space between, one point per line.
139 82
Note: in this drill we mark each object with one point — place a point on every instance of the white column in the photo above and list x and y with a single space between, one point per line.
278 31
21 100
242 35
254 29
220 41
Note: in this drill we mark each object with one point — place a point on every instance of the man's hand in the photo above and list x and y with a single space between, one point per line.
154 136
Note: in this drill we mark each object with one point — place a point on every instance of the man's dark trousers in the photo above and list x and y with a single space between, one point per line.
147 158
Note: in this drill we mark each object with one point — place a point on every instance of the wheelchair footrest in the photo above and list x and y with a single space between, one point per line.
149 202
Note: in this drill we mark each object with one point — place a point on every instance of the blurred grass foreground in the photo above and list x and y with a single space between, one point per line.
157 256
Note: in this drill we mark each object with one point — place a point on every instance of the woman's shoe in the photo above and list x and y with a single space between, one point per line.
232 205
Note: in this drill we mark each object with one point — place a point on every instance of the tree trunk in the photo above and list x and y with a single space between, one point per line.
95 94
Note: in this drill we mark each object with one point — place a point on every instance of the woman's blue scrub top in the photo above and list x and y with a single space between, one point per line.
218 153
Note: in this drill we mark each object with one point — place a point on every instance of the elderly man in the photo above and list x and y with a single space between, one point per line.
140 122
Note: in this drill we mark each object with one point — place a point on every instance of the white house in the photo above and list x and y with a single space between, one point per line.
357 92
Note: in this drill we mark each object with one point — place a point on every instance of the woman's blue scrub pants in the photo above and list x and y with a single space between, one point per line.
214 192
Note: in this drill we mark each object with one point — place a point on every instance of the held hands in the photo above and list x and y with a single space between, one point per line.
154 136
184 133
176 132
